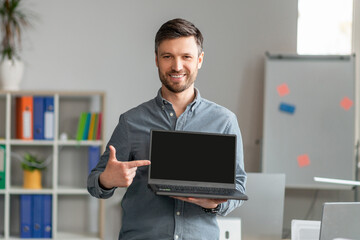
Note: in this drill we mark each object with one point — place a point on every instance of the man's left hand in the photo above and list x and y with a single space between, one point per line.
202 202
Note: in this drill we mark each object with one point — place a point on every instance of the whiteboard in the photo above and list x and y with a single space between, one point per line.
309 119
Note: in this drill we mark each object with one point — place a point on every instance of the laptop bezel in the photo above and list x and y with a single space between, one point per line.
192 183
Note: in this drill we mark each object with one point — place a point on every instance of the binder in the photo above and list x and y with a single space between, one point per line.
93 157
49 118
86 127
47 216
92 126
38 128
2 166
25 216
95 126
81 126
98 131
24 117
37 209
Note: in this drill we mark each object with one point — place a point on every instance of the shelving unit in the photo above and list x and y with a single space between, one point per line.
75 214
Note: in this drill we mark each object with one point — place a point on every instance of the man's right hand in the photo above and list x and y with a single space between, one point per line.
117 173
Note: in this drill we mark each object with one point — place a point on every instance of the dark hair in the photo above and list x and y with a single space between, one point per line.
177 28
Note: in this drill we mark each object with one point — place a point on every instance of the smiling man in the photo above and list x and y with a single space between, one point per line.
177 106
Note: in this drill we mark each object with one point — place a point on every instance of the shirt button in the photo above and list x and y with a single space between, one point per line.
171 114
176 236
178 213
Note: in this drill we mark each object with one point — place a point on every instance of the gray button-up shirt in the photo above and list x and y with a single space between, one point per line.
146 215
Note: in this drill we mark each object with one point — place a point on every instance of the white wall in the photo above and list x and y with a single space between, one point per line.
109 45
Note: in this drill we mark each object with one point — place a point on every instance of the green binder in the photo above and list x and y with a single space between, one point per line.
81 126
2 166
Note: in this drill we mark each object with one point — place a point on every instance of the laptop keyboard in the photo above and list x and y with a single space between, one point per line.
181 189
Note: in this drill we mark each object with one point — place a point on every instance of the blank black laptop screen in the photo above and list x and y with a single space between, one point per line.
189 156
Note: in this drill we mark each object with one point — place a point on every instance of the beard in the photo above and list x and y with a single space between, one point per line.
177 87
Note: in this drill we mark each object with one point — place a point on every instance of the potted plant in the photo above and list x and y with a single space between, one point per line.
13 21
32 167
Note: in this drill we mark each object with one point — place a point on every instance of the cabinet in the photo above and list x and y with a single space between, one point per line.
75 214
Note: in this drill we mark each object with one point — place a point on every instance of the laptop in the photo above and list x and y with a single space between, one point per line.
340 220
193 164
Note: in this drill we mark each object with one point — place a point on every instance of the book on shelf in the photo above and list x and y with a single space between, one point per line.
95 126
24 117
35 117
37 219
81 126
89 126
92 126
93 157
38 126
49 118
2 166
98 126
25 216
35 216
86 127
47 221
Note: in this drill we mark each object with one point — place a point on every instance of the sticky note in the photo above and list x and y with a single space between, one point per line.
283 89
287 108
346 103
303 160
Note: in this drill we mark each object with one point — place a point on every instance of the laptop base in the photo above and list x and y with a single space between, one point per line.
230 193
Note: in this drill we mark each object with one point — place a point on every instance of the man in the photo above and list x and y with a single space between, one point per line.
177 106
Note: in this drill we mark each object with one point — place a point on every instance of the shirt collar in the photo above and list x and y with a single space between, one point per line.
162 101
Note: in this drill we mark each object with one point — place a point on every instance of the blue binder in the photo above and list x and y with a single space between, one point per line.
47 216
25 216
38 125
49 118
93 157
37 216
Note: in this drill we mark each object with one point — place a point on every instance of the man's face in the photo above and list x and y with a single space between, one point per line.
178 63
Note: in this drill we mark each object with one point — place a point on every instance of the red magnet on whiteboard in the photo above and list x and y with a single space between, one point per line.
283 89
346 103
303 160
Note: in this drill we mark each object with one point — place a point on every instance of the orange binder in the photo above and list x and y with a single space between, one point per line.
24 117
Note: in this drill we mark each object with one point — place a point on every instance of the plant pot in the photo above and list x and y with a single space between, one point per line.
11 74
32 179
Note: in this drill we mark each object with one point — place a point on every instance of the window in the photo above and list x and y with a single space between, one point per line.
324 27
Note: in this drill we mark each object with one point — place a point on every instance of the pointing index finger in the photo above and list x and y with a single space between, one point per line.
138 163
